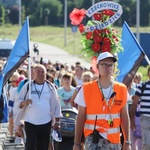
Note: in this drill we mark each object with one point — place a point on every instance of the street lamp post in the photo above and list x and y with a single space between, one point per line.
65 21
93 2
138 20
19 4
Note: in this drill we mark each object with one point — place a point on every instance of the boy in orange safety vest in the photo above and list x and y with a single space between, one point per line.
102 109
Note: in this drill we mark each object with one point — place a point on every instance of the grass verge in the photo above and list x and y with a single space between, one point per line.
69 42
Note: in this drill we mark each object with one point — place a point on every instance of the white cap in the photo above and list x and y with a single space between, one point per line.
45 61
24 67
105 55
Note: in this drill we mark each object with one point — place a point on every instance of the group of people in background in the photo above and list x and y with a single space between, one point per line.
98 98
62 81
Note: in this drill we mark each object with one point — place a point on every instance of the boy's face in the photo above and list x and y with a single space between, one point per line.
106 67
66 81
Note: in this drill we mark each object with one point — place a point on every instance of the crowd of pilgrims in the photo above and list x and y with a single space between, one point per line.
67 79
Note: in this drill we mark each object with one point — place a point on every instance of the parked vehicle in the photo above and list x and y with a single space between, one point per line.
6 46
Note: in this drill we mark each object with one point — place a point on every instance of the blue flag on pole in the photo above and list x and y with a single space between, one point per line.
17 56
130 59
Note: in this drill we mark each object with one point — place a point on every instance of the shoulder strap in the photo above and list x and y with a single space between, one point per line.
47 81
26 80
143 87
27 90
9 85
8 92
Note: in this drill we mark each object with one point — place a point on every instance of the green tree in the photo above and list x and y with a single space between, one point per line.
49 9
23 16
46 14
7 12
145 13
30 6
129 11
52 9
2 15
14 14
36 8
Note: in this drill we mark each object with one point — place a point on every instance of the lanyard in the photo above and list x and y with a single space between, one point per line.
39 92
110 102
111 91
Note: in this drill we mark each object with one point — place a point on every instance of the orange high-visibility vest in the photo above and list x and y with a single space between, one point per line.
95 106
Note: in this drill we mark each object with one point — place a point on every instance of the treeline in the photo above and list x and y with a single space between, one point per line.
51 12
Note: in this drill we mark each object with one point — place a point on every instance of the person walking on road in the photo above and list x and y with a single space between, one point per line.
102 109
142 93
10 88
41 109
66 91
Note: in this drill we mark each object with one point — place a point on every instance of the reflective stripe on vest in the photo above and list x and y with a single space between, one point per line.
102 116
109 131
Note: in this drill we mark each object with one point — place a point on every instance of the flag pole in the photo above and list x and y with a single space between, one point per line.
146 58
29 60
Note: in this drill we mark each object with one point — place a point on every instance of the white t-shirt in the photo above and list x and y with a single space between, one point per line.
79 81
10 97
80 96
14 98
39 112
10 88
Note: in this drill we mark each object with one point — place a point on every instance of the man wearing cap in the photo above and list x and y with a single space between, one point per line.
102 109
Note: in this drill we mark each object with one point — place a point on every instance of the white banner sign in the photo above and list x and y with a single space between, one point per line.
106 5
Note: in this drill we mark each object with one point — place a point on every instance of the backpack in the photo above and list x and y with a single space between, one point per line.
21 84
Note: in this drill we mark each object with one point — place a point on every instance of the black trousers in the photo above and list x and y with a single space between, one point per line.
38 136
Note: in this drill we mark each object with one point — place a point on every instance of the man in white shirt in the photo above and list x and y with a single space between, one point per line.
40 110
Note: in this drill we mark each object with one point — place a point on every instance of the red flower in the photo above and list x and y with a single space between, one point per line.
97 38
106 41
108 12
106 31
115 31
97 32
98 16
116 39
96 47
81 28
106 48
89 35
76 16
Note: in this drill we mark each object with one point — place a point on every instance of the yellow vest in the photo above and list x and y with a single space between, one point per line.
96 106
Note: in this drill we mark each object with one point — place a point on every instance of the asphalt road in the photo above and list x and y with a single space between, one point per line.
54 54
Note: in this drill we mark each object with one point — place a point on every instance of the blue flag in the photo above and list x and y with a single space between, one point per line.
17 56
130 59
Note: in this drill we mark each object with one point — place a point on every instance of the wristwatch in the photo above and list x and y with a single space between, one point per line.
128 142
57 122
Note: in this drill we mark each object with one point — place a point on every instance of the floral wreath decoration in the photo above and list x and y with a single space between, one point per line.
98 38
